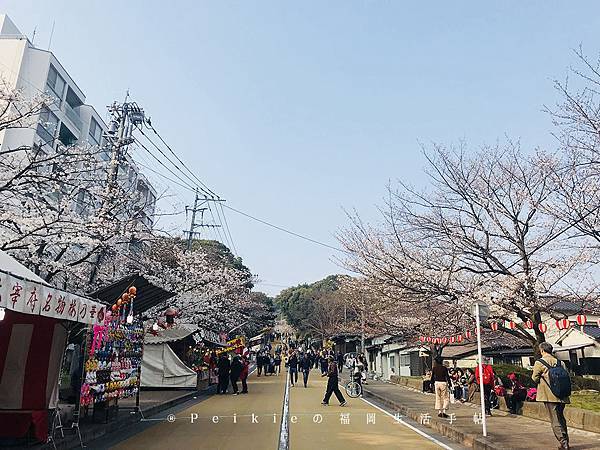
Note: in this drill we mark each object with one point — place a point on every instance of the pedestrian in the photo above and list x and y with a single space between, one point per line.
277 363
259 363
235 372
340 361
488 383
554 389
223 366
244 374
440 379
266 360
305 364
332 383
517 395
293 367
472 386
324 363
427 386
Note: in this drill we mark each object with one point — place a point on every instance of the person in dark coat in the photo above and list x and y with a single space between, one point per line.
324 364
305 364
340 361
293 367
332 383
236 371
224 366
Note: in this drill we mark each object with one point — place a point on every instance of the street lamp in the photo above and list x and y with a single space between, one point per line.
481 311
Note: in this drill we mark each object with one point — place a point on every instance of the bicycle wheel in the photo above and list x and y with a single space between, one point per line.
353 389
494 402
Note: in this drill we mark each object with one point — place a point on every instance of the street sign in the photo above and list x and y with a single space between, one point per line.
484 311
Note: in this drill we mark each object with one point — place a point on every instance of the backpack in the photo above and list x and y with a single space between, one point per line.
560 382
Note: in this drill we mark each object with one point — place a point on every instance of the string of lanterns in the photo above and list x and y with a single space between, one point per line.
561 324
120 306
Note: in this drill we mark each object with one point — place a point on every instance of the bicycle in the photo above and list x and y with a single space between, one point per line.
354 389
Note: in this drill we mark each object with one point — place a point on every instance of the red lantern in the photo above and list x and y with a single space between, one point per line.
428 338
529 324
119 302
459 338
512 325
132 290
452 339
125 297
422 338
468 334
543 328
494 326
114 307
563 324
581 319
444 340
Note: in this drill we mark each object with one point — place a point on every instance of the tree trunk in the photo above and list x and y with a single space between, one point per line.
539 336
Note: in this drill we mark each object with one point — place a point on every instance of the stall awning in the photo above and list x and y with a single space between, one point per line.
148 294
178 332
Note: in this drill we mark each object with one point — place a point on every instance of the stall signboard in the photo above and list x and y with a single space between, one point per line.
29 297
232 345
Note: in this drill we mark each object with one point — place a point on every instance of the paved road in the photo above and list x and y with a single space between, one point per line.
257 417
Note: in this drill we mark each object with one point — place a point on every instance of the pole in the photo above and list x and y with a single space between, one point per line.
481 393
193 223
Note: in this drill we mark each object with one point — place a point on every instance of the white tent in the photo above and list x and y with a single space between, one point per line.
161 367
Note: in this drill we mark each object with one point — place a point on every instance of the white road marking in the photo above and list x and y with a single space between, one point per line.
416 430
284 431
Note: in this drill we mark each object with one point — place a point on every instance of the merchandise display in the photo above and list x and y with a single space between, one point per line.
112 369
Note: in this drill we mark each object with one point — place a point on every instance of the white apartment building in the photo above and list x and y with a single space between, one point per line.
69 120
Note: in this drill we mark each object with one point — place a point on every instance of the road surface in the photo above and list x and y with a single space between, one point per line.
253 422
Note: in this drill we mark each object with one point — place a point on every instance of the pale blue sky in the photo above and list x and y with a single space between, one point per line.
292 111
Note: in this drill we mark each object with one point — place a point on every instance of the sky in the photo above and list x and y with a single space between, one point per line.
297 111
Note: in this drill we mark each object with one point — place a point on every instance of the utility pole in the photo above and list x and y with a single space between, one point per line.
198 203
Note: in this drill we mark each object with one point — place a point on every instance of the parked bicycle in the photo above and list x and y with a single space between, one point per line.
354 389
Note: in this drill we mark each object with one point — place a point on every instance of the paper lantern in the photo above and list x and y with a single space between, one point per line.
114 307
468 334
422 338
563 324
494 326
119 302
132 290
452 339
125 297
459 338
581 319
428 339
512 325
543 327
444 340
529 324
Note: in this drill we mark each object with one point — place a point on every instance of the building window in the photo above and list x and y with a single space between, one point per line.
404 360
56 84
392 362
47 126
95 134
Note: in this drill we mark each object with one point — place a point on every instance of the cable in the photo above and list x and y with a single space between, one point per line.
264 222
227 227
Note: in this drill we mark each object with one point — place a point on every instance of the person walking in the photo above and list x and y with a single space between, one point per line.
488 383
554 390
324 363
293 367
266 360
305 365
340 361
223 366
244 374
332 383
259 363
235 372
440 378
277 363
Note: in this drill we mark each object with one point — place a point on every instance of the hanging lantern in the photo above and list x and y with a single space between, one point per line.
132 290
581 319
468 334
459 338
119 302
452 339
444 340
422 338
512 325
543 328
529 324
428 338
494 326
125 297
114 307
563 324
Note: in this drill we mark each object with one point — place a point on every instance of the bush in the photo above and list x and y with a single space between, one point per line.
580 383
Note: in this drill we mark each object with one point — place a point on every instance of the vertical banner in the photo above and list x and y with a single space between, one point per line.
3 289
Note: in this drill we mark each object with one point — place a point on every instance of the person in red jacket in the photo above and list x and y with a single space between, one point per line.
244 374
488 383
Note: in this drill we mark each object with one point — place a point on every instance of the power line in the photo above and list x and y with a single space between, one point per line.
227 228
264 222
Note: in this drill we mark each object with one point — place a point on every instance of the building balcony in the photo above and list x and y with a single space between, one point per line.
73 116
